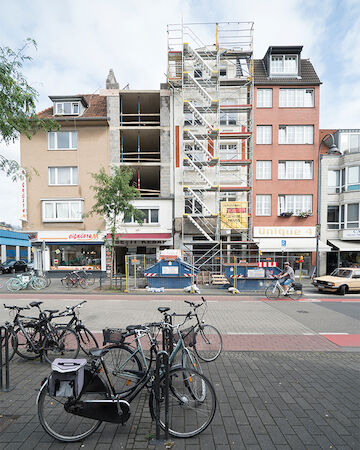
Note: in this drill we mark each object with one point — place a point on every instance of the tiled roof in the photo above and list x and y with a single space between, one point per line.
308 75
97 109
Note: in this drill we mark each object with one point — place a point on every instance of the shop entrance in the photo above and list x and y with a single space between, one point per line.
120 253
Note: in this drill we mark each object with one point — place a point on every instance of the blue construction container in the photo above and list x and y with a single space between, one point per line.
250 277
170 274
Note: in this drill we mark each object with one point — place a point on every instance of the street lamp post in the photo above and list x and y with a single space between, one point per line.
333 150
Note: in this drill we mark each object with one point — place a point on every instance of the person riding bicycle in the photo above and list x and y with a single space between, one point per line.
287 277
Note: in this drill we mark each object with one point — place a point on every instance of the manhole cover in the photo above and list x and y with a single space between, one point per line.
6 421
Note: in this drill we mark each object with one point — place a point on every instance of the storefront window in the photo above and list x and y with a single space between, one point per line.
293 258
68 256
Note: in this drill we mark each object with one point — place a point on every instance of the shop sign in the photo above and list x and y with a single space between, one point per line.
351 234
234 215
77 236
284 232
23 215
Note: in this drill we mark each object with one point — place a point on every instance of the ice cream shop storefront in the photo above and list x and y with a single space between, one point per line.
69 250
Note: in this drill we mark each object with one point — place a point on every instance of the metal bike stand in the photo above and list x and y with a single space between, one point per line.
161 370
4 335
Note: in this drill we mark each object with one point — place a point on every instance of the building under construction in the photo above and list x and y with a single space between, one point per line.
210 75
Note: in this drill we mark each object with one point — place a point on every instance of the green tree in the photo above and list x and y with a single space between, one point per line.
113 196
17 103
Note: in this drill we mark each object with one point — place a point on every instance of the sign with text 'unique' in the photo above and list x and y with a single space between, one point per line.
283 232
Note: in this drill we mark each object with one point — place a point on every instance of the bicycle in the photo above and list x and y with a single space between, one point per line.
88 276
275 291
127 360
38 337
86 339
24 280
73 417
74 280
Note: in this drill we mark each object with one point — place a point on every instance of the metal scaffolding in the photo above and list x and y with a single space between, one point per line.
215 82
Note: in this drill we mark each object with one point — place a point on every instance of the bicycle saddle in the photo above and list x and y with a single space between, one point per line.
98 351
33 304
163 309
131 328
51 311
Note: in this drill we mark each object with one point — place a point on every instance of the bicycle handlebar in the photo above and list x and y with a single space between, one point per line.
19 308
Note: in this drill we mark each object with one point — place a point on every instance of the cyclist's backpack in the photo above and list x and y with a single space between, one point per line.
297 286
66 378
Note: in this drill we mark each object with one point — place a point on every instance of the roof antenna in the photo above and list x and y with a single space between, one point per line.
126 88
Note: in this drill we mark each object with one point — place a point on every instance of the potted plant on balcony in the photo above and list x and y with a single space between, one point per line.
304 214
286 214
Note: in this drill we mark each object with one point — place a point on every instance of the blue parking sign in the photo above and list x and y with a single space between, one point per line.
283 242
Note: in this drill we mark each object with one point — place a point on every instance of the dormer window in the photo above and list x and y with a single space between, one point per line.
284 65
67 108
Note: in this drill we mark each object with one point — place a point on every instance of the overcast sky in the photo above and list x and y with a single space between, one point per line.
80 40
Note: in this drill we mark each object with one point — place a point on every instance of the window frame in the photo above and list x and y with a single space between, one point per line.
283 58
355 222
54 207
282 90
72 133
228 151
285 198
262 90
62 111
262 134
148 218
346 147
288 170
56 168
261 207
288 134
263 170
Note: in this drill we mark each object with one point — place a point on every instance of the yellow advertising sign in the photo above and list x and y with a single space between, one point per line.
234 215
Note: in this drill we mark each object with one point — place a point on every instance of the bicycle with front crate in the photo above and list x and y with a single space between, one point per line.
70 414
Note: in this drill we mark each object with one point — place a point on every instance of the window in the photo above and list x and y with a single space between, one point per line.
353 178
350 142
296 98
63 175
333 217
263 205
229 151
284 65
296 134
295 204
190 119
264 134
228 118
198 72
149 216
62 210
67 108
263 170
352 219
194 153
62 140
222 71
192 204
333 181
295 170
264 98
228 197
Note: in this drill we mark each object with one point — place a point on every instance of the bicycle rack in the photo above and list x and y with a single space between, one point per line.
4 335
162 369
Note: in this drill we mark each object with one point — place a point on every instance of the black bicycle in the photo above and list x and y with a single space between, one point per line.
71 416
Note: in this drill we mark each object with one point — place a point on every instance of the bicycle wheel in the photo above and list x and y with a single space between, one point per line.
61 342
197 388
38 283
124 368
64 426
24 341
87 340
272 292
293 294
90 278
67 282
83 283
13 284
208 343
187 415
12 346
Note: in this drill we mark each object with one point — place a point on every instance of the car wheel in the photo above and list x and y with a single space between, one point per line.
12 270
343 289
25 269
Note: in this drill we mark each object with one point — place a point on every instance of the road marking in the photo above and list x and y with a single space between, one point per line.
332 333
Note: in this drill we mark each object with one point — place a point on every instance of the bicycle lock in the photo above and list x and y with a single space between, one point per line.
161 372
4 343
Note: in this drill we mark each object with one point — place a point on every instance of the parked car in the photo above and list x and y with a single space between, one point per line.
13 266
341 281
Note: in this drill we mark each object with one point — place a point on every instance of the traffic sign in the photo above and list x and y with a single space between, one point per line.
283 242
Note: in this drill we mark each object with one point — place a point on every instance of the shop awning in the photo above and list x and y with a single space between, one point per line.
292 245
141 236
346 246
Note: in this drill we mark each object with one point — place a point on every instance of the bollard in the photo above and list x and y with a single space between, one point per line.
161 372
4 343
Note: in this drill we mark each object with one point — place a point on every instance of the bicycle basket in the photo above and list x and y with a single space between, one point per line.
113 335
188 335
297 286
